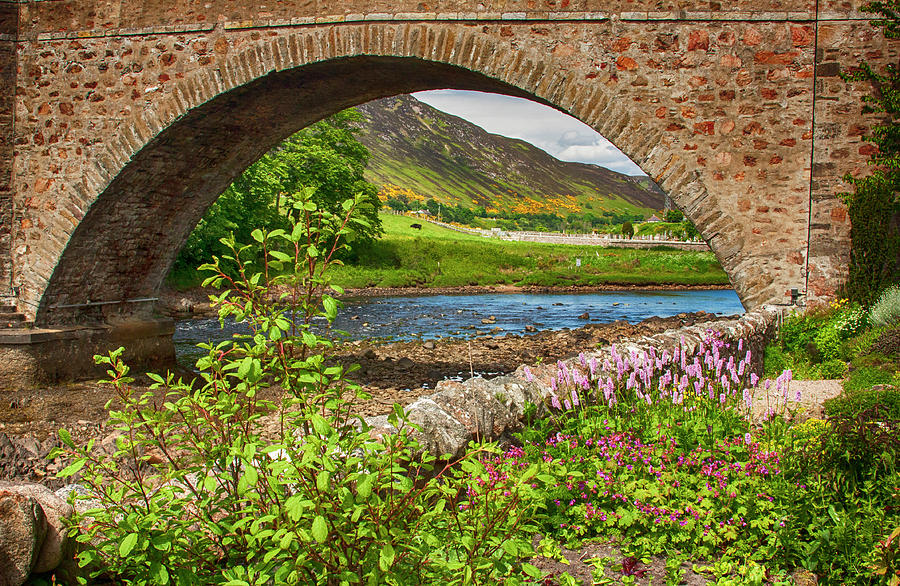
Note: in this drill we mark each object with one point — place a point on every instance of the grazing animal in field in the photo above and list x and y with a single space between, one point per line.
416 226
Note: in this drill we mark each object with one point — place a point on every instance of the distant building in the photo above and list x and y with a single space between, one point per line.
653 218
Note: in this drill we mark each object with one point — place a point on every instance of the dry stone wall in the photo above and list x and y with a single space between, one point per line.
131 116
460 412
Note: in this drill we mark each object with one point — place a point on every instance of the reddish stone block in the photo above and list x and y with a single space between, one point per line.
730 61
626 63
726 126
698 40
707 127
752 37
621 44
772 58
775 160
753 128
768 93
801 36
661 112
868 149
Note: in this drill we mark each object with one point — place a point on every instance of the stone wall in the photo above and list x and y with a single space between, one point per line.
460 412
37 357
132 116
8 30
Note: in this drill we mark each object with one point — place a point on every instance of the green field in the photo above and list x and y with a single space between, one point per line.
438 257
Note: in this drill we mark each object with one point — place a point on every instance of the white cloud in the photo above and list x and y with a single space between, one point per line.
561 135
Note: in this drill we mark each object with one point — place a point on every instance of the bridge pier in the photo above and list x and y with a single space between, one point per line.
36 356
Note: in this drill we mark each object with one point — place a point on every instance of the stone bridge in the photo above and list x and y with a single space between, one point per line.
122 120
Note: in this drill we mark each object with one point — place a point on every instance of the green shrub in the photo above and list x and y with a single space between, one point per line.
248 491
861 344
776 360
886 311
828 341
851 404
799 329
866 377
832 369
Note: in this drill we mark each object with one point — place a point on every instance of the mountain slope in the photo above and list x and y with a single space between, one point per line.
433 154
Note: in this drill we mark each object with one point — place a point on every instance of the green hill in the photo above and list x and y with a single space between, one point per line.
421 152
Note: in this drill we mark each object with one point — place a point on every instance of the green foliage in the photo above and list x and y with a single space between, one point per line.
325 157
832 369
886 310
627 230
800 329
859 396
296 491
873 207
674 216
828 341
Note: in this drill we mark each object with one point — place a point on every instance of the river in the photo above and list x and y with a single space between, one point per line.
423 317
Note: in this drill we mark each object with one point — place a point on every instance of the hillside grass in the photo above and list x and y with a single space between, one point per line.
438 257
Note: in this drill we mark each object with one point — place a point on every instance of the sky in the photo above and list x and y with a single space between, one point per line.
564 137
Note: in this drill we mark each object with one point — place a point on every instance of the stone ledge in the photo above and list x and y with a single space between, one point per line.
39 356
529 16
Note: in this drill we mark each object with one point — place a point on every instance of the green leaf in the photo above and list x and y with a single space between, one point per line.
66 437
386 558
319 529
322 481
72 468
257 235
127 544
364 486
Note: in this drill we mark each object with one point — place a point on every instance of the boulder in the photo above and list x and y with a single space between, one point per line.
23 527
56 510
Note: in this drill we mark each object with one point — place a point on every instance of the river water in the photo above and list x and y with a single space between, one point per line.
423 317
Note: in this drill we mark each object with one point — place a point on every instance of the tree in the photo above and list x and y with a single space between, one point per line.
628 230
674 216
325 156
690 231
873 207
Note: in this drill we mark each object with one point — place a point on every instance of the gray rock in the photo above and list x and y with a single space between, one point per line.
441 434
428 345
22 531
56 510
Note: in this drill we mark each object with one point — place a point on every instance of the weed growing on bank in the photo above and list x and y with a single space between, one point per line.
216 486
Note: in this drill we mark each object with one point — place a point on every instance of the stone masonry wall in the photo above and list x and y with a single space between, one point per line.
8 32
132 116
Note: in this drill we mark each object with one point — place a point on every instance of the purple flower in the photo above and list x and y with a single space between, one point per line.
528 376
554 401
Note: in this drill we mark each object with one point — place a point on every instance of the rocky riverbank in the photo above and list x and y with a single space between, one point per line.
397 372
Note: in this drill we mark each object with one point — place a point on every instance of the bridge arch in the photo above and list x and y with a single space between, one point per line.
146 186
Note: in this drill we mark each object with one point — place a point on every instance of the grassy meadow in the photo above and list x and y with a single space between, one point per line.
438 257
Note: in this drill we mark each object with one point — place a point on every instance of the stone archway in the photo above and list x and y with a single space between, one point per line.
147 176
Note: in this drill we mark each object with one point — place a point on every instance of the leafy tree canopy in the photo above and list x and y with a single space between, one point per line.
325 156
